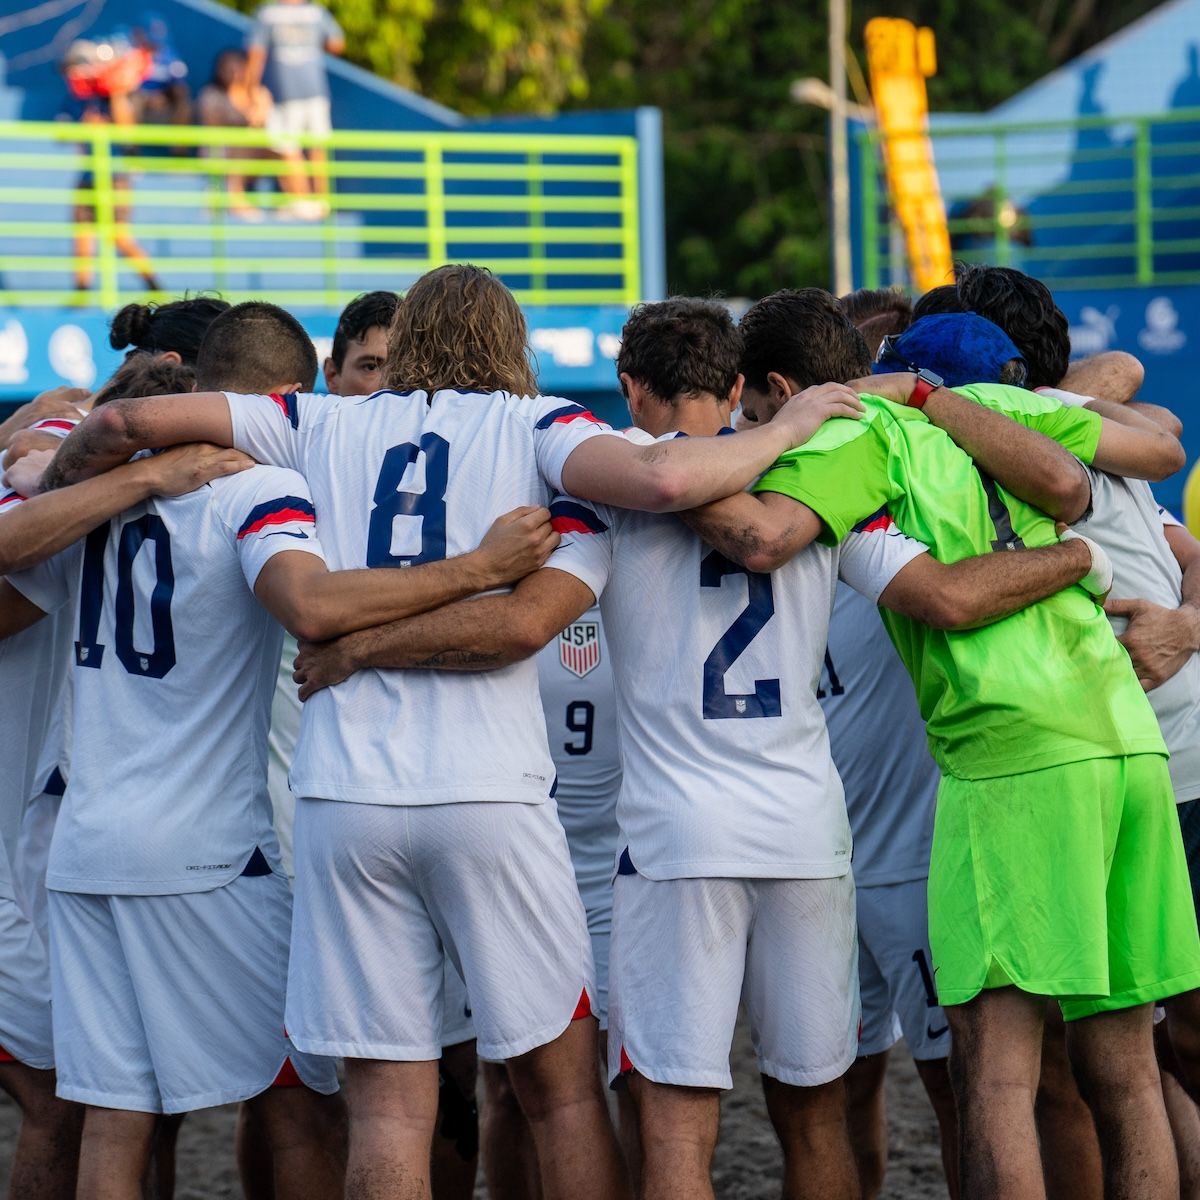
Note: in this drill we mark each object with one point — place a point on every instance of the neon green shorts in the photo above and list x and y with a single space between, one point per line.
1068 882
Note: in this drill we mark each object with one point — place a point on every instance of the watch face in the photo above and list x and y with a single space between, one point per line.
930 378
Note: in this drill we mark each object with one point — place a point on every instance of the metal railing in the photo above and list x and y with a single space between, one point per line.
556 216
1090 202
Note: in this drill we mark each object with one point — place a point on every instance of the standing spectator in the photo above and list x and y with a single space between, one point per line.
285 51
102 79
231 100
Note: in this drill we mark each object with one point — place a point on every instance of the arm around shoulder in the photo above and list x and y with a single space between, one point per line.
981 590
116 431
1133 445
483 634
759 532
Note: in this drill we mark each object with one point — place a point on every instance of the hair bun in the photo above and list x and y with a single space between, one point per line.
131 326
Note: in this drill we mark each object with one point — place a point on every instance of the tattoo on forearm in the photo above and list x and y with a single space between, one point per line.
465 659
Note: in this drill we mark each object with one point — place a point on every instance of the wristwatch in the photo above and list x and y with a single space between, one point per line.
927 382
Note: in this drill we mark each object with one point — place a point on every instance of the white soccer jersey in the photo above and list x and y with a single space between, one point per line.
575 673
286 710
400 479
33 675
33 666
1128 522
727 770
878 742
175 663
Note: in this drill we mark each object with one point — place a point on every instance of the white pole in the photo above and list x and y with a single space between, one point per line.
839 149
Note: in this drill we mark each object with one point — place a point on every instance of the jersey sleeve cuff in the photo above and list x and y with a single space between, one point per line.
37 591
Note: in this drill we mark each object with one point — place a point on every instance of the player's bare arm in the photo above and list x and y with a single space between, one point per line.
670 476
1134 444
16 613
472 635
1027 463
316 604
1161 640
118 430
1163 418
43 525
978 591
759 532
57 402
1111 375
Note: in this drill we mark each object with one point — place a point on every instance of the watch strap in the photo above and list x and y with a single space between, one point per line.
921 391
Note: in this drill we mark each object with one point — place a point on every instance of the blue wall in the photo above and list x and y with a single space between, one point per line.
1161 326
575 351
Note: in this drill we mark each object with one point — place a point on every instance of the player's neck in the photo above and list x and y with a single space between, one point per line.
701 417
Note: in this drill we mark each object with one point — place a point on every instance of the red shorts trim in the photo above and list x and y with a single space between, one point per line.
287 1076
5 1056
583 1008
627 1068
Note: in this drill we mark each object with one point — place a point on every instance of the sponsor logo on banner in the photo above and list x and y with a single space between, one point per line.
1096 330
1162 334
579 647
14 353
574 346
70 351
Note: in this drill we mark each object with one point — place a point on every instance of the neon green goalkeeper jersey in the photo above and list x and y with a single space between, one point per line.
1047 685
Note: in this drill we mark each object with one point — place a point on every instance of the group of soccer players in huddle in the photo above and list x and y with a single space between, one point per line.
856 719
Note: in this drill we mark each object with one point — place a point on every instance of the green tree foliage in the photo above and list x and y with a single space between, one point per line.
746 168
479 56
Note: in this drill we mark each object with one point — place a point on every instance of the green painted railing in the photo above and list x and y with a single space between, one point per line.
1091 202
556 216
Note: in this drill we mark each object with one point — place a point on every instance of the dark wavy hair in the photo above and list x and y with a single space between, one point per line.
803 335
362 313
1024 308
942 299
681 348
144 375
178 326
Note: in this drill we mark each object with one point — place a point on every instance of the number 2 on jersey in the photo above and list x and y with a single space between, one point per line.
153 664
766 700
429 505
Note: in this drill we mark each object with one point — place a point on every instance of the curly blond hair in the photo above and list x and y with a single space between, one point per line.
459 327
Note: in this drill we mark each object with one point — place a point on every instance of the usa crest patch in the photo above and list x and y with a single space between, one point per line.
579 647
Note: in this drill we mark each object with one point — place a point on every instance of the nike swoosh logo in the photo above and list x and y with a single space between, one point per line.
930 1032
287 533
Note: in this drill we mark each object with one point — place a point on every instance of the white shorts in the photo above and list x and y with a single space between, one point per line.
894 971
290 118
597 907
384 893
25 1032
173 1003
685 952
